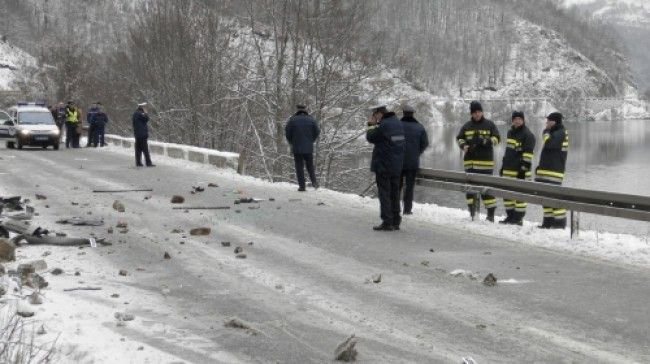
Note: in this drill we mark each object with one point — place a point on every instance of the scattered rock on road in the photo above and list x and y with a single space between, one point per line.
122 224
35 299
122 316
167 256
177 199
200 231
41 197
225 244
346 350
122 272
23 310
241 256
7 251
236 323
56 271
118 206
376 278
238 250
490 280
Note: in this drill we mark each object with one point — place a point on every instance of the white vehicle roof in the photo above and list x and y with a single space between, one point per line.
32 109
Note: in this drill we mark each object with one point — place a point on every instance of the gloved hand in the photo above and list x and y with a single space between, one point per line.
486 142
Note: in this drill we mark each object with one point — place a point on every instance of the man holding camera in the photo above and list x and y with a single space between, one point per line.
477 139
386 132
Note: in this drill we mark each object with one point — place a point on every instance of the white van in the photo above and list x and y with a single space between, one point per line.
31 124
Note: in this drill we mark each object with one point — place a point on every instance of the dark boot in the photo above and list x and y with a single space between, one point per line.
517 218
490 214
508 219
547 223
383 227
559 224
472 211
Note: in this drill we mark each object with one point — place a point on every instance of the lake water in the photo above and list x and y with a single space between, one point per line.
607 156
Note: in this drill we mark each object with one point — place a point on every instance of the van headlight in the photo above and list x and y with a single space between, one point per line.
56 132
24 132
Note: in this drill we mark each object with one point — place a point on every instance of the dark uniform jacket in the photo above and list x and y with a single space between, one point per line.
388 138
416 142
481 137
552 162
140 128
301 132
100 118
518 158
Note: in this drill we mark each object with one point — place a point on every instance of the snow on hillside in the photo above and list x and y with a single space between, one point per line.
13 60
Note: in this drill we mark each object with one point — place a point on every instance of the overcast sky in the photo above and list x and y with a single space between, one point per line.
637 2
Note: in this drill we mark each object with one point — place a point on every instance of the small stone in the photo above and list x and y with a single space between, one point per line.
109 230
238 250
41 197
118 206
115 295
177 199
123 272
425 263
490 280
25 269
346 351
182 243
35 299
200 231
23 310
122 224
3 290
61 235
279 286
122 316
56 271
41 330
487 253
240 256
250 243
236 323
167 256
77 273
46 253
177 231
7 251
376 278
124 231
140 348
212 184
432 251
225 244
481 327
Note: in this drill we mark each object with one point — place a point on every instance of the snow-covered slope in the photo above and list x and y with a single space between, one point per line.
13 62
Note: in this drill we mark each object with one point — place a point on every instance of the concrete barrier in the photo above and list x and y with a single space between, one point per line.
178 151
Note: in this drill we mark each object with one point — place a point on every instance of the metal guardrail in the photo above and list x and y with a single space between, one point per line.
573 199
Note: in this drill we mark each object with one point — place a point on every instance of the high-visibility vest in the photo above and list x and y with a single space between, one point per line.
71 115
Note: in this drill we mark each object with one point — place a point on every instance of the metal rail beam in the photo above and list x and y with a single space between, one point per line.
594 202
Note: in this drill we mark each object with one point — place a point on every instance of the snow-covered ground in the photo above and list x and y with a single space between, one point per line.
303 285
12 60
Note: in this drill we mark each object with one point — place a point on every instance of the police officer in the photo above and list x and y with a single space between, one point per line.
477 139
416 142
71 123
141 134
517 163
301 132
552 164
100 119
386 132
90 119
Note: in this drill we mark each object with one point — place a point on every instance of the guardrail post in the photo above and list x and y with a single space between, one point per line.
574 223
477 207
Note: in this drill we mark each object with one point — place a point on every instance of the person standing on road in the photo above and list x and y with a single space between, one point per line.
477 139
99 120
517 163
552 164
141 134
90 119
71 124
386 132
301 132
416 142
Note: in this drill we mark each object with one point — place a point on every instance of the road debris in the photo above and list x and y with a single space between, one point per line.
244 200
123 316
202 208
346 350
212 185
41 197
464 273
7 251
35 298
376 278
236 323
127 190
122 224
56 271
238 250
490 280
225 244
200 231
167 256
198 189
118 206
123 272
82 289
80 221
241 256
177 199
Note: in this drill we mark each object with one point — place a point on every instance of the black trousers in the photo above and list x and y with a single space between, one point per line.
141 147
388 193
71 136
301 161
91 135
489 201
98 135
407 180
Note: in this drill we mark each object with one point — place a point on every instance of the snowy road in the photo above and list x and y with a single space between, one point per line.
304 286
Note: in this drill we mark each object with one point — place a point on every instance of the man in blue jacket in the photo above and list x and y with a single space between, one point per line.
141 134
416 142
90 119
386 132
99 120
301 132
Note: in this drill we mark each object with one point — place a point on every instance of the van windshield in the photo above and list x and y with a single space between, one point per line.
35 118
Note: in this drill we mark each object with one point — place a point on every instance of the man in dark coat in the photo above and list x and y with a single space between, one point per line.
90 119
517 163
477 139
141 134
552 165
301 132
386 132
416 142
99 120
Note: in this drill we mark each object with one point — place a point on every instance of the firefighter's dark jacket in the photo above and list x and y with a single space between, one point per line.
388 138
552 161
481 137
518 158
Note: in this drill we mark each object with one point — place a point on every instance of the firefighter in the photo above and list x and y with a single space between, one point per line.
477 139
552 164
517 163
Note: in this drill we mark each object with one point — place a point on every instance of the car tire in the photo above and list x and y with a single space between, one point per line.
55 146
45 146
19 145
11 145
